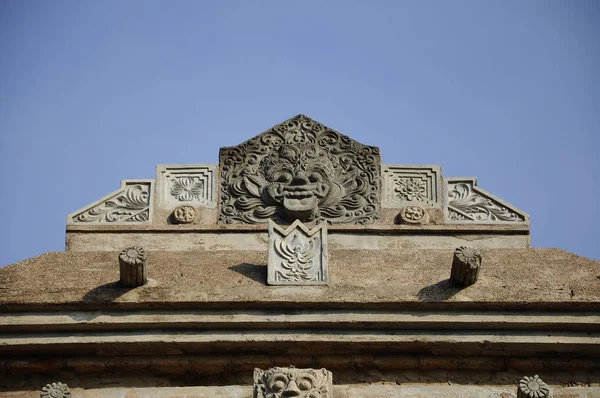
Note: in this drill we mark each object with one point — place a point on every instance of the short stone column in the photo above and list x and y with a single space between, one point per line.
465 266
533 387
55 390
132 262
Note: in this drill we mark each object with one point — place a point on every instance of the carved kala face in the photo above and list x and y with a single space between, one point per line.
300 178
291 382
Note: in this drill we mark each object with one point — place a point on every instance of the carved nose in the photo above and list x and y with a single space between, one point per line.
291 390
300 179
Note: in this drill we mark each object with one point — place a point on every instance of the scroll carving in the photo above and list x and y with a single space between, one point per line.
131 204
300 169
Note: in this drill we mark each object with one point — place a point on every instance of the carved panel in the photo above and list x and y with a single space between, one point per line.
185 184
291 382
129 205
467 203
418 185
297 255
300 169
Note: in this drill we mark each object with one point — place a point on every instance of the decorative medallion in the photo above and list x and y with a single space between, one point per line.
133 255
533 387
186 189
185 184
130 204
184 214
410 189
300 169
414 215
55 390
291 382
412 185
469 203
297 255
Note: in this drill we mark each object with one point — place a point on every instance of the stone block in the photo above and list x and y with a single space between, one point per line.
185 184
297 255
405 185
466 265
130 204
468 203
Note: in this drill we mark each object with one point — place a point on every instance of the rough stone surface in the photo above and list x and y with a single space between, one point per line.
281 382
297 255
466 265
300 169
356 276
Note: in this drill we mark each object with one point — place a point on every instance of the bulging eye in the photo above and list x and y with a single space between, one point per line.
314 177
305 385
284 177
279 385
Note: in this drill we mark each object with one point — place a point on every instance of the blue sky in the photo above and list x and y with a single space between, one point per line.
98 91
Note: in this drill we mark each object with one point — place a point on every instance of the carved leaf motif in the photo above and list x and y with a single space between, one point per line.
130 206
298 257
464 202
186 189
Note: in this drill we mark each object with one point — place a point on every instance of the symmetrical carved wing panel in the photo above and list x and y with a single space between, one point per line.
300 169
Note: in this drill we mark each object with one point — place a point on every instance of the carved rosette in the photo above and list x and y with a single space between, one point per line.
414 215
291 382
302 170
132 262
55 390
533 387
465 266
184 215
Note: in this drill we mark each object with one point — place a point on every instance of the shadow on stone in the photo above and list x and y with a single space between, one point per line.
106 292
255 272
439 291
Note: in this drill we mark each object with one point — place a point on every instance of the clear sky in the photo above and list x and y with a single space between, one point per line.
97 91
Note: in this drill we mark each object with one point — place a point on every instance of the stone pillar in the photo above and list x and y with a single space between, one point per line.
132 262
465 266
55 390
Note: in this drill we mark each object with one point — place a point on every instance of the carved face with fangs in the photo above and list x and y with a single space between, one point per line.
300 178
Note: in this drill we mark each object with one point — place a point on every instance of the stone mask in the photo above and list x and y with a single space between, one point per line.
291 382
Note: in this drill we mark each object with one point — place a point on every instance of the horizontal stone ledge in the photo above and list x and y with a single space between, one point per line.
343 365
517 228
505 343
32 322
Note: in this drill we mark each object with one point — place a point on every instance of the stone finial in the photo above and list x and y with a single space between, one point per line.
132 262
533 387
184 214
291 382
465 266
297 255
55 390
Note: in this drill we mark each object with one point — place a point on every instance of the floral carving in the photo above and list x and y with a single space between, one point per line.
184 214
465 203
186 189
533 387
131 205
414 215
55 390
411 189
291 382
297 255
302 170
133 255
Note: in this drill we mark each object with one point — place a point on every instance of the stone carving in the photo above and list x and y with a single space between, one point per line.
291 382
300 169
469 203
184 215
533 387
465 266
130 204
55 390
297 255
418 185
132 262
185 184
414 215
